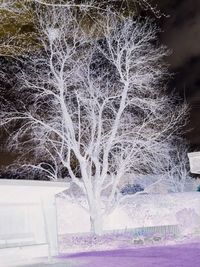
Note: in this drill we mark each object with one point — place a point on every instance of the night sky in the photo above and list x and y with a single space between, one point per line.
181 34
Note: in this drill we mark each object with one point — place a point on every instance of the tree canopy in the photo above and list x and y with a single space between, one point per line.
18 34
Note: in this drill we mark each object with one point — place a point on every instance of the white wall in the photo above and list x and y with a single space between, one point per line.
36 219
28 219
50 222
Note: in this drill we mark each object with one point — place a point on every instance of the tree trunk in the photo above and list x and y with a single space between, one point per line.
96 216
96 221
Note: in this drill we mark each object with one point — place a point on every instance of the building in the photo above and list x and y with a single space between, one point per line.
194 159
28 220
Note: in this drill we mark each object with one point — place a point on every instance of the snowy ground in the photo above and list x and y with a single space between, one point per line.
137 211
182 255
187 255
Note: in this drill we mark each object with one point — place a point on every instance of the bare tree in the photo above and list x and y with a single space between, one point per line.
16 40
95 99
168 167
13 6
18 6
177 166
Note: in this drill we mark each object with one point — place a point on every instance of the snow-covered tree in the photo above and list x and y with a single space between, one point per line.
92 106
21 36
16 5
177 168
171 165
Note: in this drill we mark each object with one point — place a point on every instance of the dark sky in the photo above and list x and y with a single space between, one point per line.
181 33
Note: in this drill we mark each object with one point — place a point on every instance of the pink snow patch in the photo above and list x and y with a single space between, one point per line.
187 255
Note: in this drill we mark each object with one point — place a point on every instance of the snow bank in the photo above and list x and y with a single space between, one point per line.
137 211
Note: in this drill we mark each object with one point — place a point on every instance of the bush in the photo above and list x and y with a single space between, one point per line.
198 188
131 189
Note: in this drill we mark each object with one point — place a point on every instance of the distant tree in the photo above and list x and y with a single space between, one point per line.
123 5
18 34
171 165
177 166
94 98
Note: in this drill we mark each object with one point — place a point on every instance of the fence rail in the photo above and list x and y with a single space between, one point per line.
163 230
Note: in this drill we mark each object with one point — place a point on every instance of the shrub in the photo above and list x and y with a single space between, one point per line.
131 189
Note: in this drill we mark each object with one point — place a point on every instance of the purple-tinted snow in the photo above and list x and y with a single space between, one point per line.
187 255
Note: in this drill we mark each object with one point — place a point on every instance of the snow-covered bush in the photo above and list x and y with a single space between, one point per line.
130 189
188 220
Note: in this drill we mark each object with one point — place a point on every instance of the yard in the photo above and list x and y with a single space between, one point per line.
185 255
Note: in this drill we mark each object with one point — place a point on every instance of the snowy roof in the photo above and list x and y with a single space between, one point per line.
29 190
194 159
